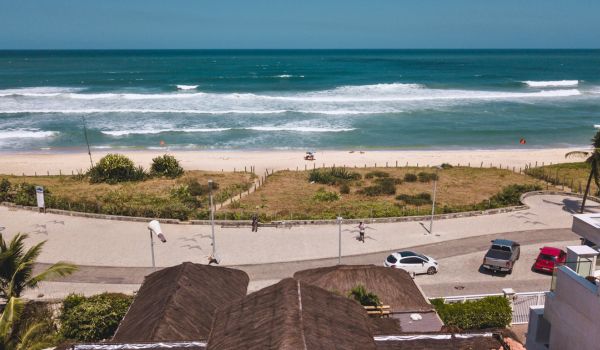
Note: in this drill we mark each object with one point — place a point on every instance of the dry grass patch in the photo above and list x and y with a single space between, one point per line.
155 197
290 195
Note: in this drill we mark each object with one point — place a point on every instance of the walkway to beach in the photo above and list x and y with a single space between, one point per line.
98 242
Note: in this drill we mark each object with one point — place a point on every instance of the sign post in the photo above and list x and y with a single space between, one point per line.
39 195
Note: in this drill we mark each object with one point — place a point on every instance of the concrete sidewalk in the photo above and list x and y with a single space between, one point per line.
116 243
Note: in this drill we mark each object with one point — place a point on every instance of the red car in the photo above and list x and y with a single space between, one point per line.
549 258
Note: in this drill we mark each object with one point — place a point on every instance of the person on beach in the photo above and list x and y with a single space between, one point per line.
254 223
361 231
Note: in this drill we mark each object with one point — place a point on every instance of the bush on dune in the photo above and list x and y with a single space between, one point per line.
332 176
166 165
114 168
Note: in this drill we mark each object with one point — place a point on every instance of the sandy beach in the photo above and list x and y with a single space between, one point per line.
43 162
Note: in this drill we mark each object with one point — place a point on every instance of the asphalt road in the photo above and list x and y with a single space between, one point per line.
458 258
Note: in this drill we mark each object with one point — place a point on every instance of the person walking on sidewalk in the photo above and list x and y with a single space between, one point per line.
254 223
361 231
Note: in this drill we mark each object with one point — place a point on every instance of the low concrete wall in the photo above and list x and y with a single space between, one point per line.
306 222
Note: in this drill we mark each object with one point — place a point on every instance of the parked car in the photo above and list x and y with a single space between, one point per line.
549 258
502 255
412 262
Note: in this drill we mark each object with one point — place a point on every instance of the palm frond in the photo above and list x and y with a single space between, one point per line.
12 311
60 269
34 337
579 154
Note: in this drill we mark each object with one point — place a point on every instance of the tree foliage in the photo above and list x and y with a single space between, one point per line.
16 266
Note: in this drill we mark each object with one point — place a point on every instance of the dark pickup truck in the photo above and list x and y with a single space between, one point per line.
502 255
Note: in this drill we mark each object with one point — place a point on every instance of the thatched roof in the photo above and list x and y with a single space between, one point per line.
394 287
178 303
291 315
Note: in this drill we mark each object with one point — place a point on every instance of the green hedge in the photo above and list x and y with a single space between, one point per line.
93 318
489 312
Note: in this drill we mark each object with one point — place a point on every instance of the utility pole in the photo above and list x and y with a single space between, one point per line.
435 180
212 218
339 220
87 142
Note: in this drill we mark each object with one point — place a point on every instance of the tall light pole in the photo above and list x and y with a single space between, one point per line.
87 142
212 218
339 220
435 179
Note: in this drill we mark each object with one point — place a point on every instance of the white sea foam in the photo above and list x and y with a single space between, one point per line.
555 83
40 91
344 100
298 129
25 134
187 87
159 131
289 128
287 76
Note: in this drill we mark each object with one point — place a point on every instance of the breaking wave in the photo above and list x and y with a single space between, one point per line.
344 100
555 83
25 134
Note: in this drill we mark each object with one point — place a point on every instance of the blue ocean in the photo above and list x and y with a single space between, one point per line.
308 99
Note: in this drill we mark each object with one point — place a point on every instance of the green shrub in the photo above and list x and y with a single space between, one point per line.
94 318
426 177
24 194
198 189
360 294
166 165
446 166
332 176
323 195
381 187
422 198
183 195
114 168
5 187
511 194
345 188
410 177
376 173
489 312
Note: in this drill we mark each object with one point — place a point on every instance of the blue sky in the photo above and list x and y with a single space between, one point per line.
224 24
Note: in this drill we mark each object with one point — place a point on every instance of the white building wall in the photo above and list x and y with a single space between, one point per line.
573 310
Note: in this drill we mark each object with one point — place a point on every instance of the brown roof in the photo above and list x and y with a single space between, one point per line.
178 303
394 287
454 343
291 315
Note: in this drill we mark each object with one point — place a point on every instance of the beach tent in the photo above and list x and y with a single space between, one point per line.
292 315
179 303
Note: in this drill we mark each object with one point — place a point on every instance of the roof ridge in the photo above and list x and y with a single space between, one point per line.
301 318
170 297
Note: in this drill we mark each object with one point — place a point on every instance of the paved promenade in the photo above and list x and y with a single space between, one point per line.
98 242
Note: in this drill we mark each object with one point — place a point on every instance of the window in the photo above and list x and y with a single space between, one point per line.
501 247
412 260
391 259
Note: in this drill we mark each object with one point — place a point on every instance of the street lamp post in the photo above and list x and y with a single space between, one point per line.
433 201
212 218
339 220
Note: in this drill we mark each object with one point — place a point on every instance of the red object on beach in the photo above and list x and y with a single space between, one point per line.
522 141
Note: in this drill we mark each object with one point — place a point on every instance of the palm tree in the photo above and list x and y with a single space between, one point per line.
593 159
16 267
33 337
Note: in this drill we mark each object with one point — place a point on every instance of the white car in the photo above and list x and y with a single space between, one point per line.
412 262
